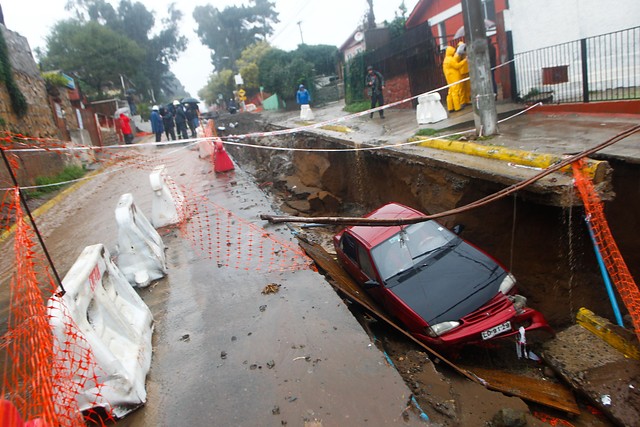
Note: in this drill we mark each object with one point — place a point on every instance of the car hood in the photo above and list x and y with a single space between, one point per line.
450 284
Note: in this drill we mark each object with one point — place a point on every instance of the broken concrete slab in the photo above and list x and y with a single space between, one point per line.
598 371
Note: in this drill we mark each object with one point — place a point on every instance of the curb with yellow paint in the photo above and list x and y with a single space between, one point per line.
335 128
45 207
607 332
595 169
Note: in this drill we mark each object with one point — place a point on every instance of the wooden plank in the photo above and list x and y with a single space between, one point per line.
540 392
547 393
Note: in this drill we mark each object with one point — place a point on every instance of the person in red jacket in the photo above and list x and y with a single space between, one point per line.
126 128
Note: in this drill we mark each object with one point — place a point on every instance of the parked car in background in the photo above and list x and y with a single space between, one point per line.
445 291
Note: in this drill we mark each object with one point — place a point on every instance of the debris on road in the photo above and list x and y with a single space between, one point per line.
271 288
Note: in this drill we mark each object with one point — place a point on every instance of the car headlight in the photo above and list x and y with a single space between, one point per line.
440 328
507 283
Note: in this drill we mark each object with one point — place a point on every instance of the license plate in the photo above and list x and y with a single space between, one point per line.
490 333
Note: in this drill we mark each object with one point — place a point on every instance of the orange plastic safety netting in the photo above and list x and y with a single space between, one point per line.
616 267
229 240
550 420
42 374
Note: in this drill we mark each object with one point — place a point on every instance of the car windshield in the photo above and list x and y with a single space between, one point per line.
410 246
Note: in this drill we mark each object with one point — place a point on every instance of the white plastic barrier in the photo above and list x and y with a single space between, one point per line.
205 148
140 248
113 323
305 112
430 109
165 207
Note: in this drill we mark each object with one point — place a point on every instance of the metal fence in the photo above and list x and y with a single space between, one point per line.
415 54
600 68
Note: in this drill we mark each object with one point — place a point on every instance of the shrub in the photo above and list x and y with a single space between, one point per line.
356 107
69 173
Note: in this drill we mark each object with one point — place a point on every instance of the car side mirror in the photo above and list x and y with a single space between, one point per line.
458 228
369 284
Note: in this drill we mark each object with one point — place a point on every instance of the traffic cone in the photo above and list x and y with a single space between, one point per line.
221 160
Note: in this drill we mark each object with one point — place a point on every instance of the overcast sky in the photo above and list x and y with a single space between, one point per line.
322 22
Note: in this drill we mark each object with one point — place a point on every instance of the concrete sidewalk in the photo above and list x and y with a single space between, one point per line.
554 133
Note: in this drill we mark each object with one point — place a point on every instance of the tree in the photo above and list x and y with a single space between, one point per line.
252 54
397 26
229 31
160 45
281 72
371 18
248 62
264 17
220 83
354 76
323 57
94 53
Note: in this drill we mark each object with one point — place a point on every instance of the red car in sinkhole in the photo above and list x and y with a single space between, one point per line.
446 292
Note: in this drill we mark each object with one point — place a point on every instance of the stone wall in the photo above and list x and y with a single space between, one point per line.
39 120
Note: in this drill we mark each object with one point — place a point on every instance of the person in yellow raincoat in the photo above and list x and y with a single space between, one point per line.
465 87
451 68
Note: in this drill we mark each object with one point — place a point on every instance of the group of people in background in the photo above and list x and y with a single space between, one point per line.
173 119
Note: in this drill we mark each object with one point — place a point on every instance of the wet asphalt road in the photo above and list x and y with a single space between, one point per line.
224 353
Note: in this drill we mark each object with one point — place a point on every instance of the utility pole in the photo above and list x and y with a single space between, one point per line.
483 100
300 26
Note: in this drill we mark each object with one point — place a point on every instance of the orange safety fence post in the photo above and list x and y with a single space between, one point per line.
616 267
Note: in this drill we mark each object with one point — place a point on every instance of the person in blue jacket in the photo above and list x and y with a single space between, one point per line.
156 122
302 96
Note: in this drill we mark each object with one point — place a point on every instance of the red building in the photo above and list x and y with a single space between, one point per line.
447 26
445 17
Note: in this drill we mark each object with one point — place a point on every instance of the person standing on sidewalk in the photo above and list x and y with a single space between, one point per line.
181 120
375 84
451 69
126 128
302 96
169 125
156 122
465 86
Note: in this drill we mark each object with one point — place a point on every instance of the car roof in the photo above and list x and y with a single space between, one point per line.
372 236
